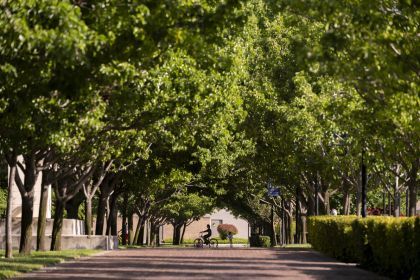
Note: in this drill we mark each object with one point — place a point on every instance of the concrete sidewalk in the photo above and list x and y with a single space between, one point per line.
190 263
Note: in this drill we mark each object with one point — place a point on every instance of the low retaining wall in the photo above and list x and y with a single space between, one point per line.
72 242
70 226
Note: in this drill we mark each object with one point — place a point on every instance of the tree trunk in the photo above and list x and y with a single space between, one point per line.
42 219
58 225
389 205
148 232
359 200
397 196
303 228
176 240
140 240
183 232
137 232
384 201
289 233
158 236
113 215
26 224
106 187
88 216
412 187
12 174
130 228
397 204
100 215
346 198
152 234
327 202
73 205
273 241
124 221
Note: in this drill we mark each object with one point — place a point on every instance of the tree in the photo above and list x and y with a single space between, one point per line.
183 209
42 59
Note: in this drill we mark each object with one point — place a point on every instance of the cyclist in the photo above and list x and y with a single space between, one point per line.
206 237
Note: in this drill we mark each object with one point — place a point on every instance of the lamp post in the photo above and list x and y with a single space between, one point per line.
364 184
272 192
316 194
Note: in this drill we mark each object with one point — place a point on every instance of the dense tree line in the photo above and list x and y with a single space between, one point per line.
166 109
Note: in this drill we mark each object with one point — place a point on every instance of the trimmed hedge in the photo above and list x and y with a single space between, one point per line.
387 245
259 241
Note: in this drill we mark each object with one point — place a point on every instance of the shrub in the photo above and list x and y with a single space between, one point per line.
259 241
224 229
386 245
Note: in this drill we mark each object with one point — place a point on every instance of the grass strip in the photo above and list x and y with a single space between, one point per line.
20 264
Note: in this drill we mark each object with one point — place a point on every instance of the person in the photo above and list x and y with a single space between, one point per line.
230 237
206 237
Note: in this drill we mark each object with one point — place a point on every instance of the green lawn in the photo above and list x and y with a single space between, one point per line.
297 246
11 267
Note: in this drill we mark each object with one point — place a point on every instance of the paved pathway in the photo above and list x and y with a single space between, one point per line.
189 263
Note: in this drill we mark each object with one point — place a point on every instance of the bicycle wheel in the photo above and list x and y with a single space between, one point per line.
198 243
213 243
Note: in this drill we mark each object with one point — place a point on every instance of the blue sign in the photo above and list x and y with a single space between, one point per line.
273 191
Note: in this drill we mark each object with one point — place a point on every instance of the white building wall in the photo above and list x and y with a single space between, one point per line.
228 218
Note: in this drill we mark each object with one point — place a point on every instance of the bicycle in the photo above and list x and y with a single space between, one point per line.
200 242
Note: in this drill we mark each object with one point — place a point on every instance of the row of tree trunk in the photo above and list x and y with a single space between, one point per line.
67 184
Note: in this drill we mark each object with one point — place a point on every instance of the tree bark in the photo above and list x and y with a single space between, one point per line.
359 200
124 229
113 215
100 215
389 205
26 224
346 198
12 174
152 235
412 187
42 219
73 205
397 196
183 233
88 216
27 194
327 202
130 228
58 225
177 233
303 228
273 239
106 187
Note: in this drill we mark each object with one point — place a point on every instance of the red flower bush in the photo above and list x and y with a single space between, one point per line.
224 229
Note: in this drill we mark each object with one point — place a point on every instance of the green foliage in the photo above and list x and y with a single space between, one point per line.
259 241
3 201
224 230
183 207
384 244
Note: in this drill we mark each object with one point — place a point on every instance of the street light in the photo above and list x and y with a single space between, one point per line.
364 184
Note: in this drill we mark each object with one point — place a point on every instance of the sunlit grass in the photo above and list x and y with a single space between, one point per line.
296 246
19 264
